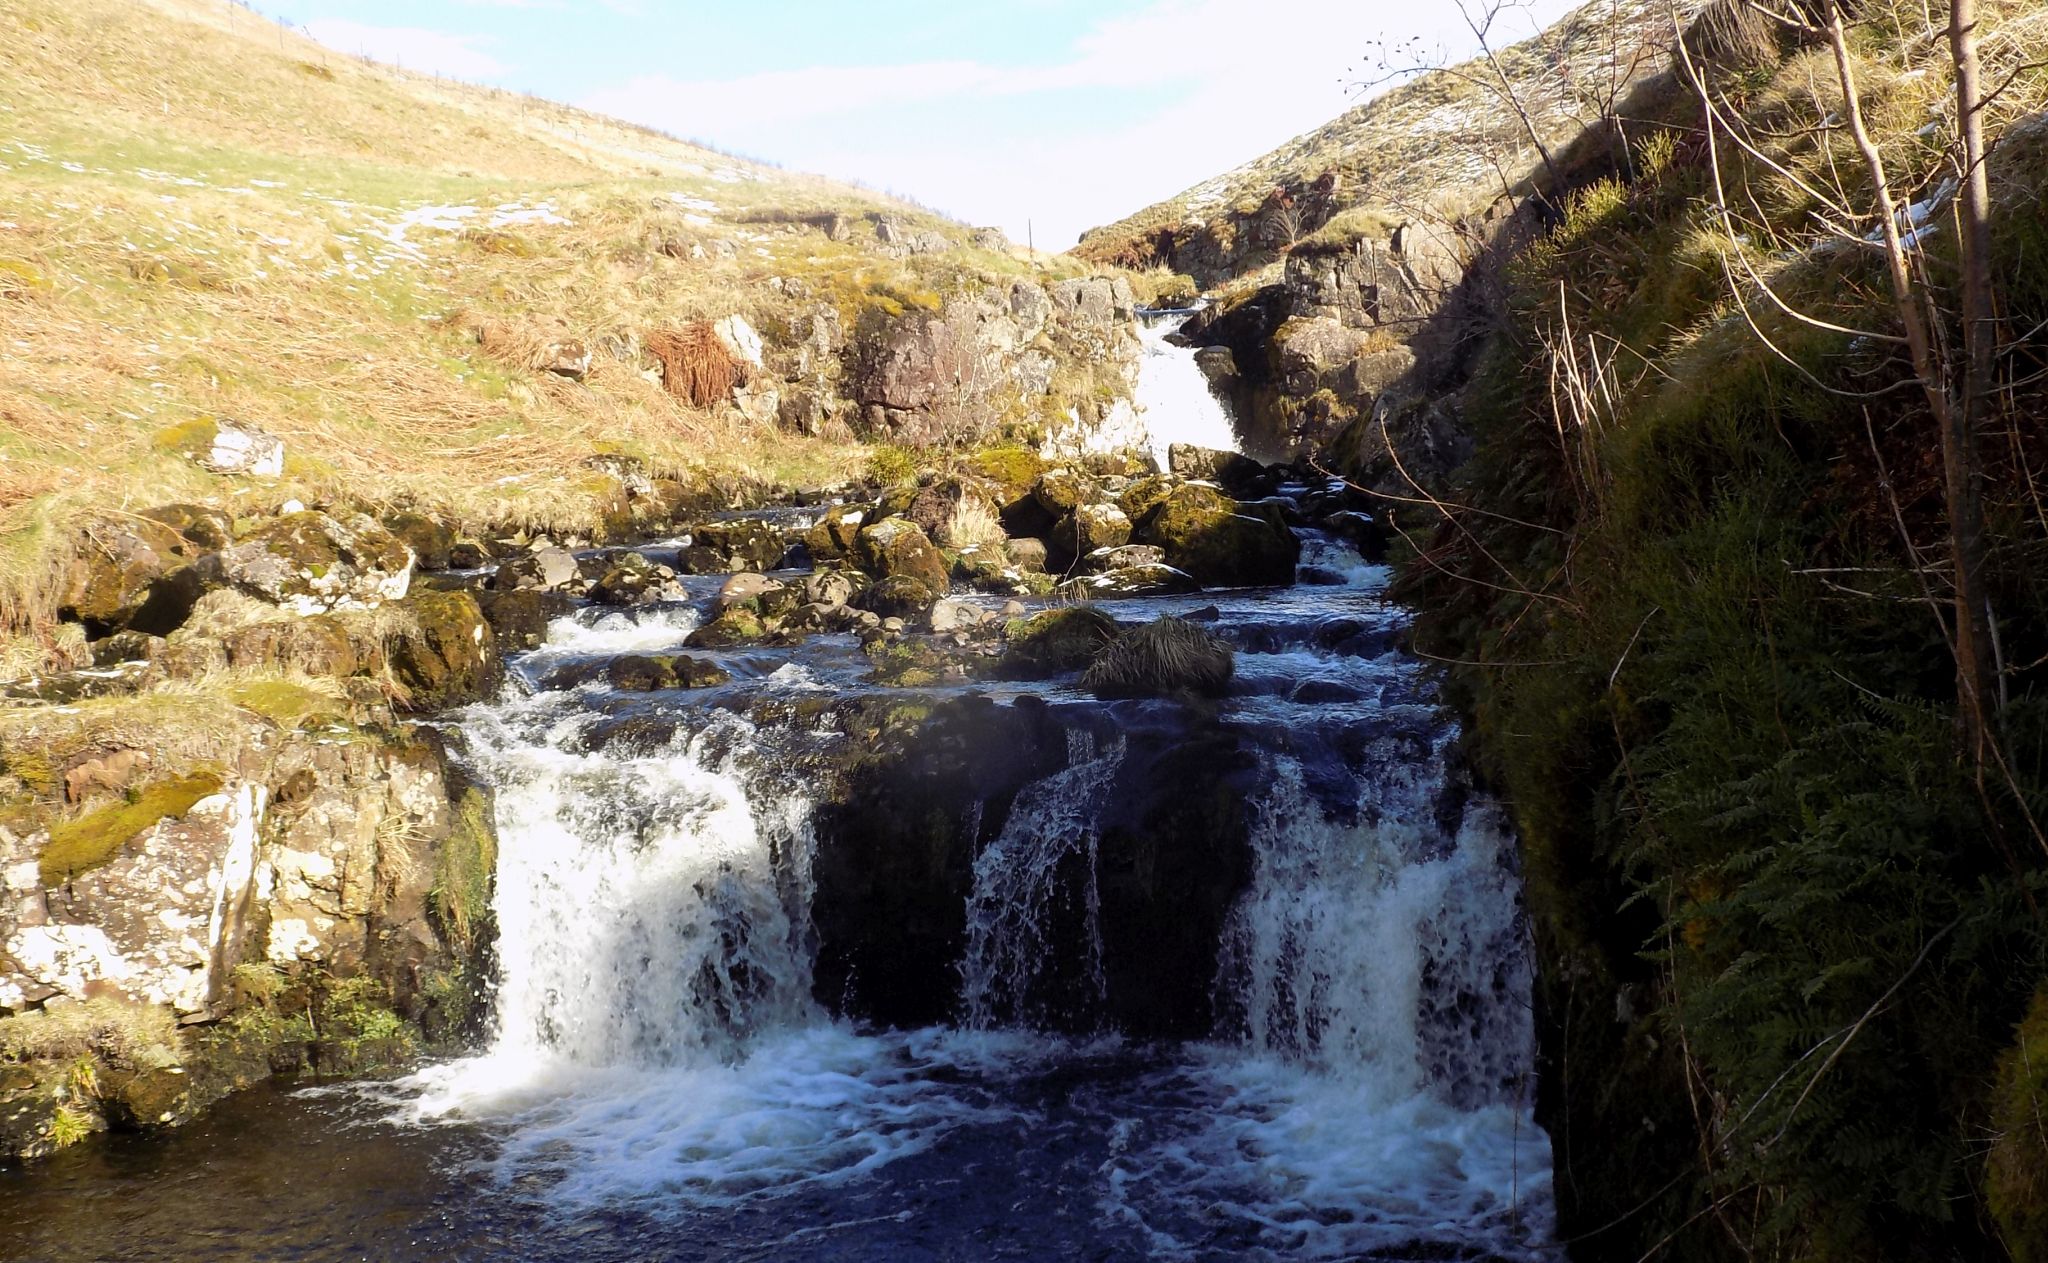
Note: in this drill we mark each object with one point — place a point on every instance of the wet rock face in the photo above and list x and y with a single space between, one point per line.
899 835
308 562
896 548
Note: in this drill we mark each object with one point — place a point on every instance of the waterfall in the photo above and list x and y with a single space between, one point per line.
1014 915
1175 400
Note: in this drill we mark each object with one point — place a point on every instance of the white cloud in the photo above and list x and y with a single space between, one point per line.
415 48
1241 80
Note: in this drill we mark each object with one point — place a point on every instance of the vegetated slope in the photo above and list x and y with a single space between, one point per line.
1695 611
203 216
1432 147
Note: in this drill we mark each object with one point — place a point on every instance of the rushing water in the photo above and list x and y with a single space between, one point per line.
1175 400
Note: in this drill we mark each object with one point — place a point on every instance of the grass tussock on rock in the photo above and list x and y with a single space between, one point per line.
1163 658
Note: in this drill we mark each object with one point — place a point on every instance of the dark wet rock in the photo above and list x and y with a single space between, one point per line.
1054 642
1103 560
468 554
699 559
1162 658
634 579
1128 582
1320 577
519 619
644 673
1230 470
744 543
1368 534
1321 689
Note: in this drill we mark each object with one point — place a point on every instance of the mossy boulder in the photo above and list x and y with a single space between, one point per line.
519 619
644 673
896 548
1085 529
445 655
1012 470
744 543
1059 491
130 572
900 596
832 537
1138 498
1162 658
1054 642
205 529
1129 582
1203 532
430 541
634 579
736 626
309 562
320 646
2017 1168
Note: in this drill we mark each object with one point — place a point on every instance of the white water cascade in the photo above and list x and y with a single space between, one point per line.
1175 400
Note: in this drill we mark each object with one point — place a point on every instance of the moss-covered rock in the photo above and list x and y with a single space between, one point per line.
1059 491
897 548
744 543
632 579
736 626
445 655
79 845
900 596
1011 469
1054 642
1129 582
519 619
205 529
130 572
309 562
833 536
1085 528
430 541
1203 533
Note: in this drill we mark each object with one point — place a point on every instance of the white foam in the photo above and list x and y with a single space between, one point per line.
648 630
1174 397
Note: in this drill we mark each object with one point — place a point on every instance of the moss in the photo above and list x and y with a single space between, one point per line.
2017 1170
464 873
1011 468
192 438
1053 642
81 845
286 703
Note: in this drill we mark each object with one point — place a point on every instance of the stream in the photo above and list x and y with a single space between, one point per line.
696 1059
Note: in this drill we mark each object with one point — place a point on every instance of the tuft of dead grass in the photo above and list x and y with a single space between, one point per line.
695 366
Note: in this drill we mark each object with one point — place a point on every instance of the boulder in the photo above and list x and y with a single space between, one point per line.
900 596
1126 582
1085 529
549 569
444 653
1059 491
736 626
130 572
830 588
1054 642
638 673
207 530
430 541
834 534
633 579
1202 532
950 615
240 448
308 562
519 619
896 548
1028 555
1161 658
744 588
1104 560
1208 464
1138 498
744 543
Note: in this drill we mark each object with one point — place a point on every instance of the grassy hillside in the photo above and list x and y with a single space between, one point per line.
203 216
1433 147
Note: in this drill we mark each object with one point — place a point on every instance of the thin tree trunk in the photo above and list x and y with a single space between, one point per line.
1965 508
1976 677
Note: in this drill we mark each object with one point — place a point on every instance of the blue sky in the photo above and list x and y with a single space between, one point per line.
1047 116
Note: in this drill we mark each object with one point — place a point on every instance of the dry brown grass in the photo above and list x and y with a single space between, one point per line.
695 366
